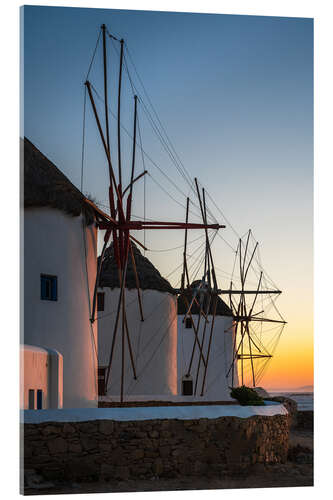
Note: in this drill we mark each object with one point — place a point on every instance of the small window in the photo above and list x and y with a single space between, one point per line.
188 322
39 399
100 301
187 387
48 287
101 381
31 403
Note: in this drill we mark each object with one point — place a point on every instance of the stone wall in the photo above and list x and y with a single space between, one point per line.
291 407
108 449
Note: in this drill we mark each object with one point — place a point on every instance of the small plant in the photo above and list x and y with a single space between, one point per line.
246 396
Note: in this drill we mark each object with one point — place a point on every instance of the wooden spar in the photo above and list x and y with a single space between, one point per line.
111 172
119 101
122 350
256 295
134 144
193 299
232 305
185 246
251 357
136 225
130 347
253 342
239 292
202 346
233 362
239 346
99 211
106 240
136 281
245 253
209 345
242 299
248 266
196 341
207 254
238 311
134 181
242 359
138 242
241 267
195 331
106 91
250 346
254 356
129 205
206 231
206 270
120 300
264 320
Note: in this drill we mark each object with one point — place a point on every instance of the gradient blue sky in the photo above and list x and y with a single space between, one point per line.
235 94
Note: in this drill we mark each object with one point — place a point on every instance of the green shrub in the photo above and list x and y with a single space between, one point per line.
246 396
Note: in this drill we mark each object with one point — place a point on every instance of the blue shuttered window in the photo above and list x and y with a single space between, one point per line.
48 287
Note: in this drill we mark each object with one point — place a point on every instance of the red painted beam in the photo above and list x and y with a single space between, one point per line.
138 225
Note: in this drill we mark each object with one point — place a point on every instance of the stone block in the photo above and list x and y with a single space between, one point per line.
153 434
158 466
89 443
75 447
122 472
69 428
57 445
106 427
137 454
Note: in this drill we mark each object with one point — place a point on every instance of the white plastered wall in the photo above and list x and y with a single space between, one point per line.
54 244
216 387
41 369
153 341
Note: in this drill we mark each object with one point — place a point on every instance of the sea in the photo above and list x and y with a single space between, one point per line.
304 400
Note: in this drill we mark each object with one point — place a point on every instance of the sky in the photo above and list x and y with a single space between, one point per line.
235 94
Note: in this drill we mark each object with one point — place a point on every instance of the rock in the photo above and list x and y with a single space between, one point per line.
122 472
89 443
158 467
75 447
57 445
36 481
69 429
165 451
137 454
106 427
291 407
50 429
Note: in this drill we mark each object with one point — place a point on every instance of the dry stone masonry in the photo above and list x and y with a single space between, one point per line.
109 449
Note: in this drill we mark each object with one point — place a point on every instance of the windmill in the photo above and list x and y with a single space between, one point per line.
119 224
254 347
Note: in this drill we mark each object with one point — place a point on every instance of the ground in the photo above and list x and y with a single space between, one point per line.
297 471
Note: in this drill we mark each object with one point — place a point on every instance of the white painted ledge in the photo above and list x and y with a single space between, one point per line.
150 413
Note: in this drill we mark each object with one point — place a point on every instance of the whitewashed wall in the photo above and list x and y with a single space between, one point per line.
216 385
54 244
41 369
154 343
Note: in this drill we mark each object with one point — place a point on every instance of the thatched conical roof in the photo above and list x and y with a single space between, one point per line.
46 186
149 277
221 307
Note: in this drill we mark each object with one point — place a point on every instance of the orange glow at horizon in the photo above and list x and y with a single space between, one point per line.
292 365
